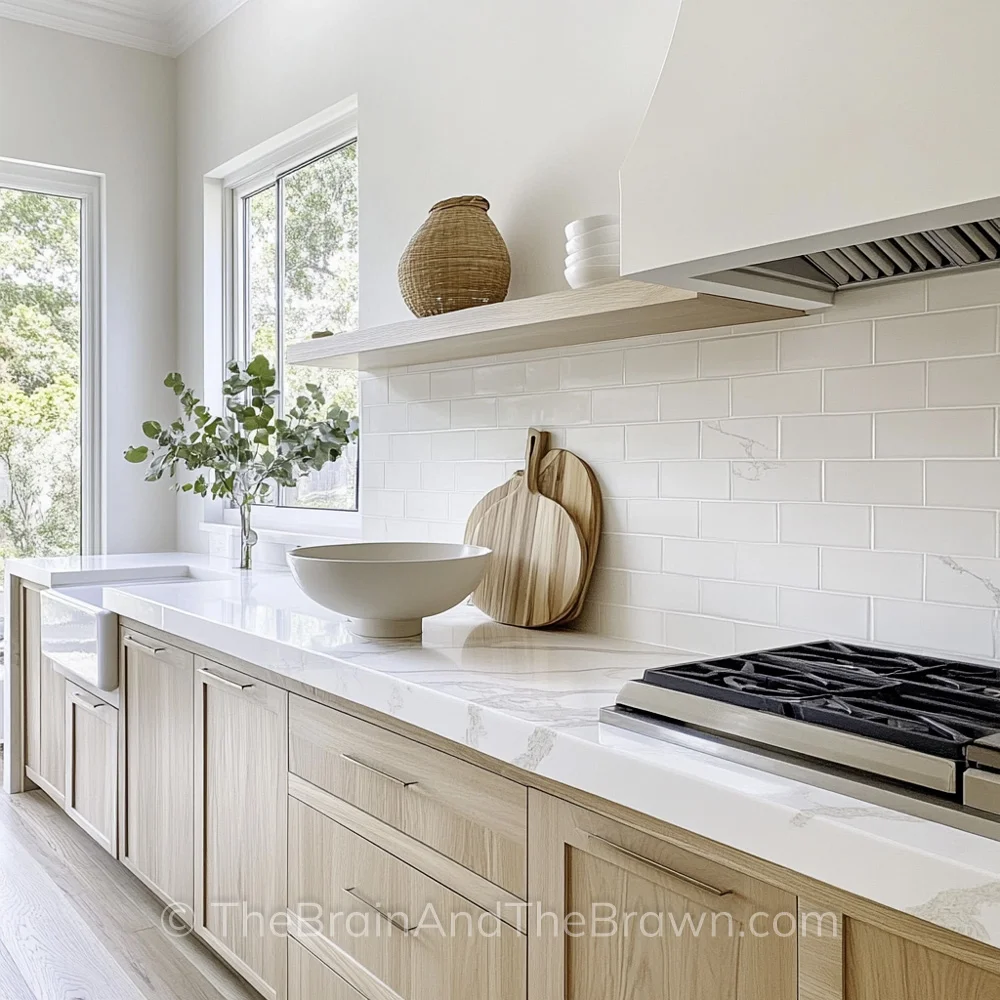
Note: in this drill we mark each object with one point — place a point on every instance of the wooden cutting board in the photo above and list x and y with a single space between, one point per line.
539 555
567 479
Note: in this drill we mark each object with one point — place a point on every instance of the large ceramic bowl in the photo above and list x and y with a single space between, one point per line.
386 588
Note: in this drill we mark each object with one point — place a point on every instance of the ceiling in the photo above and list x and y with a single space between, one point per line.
164 26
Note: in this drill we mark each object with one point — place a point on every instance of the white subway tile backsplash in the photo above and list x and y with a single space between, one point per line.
739 601
632 404
961 631
475 412
777 480
451 384
697 557
541 409
935 433
818 611
824 524
582 371
963 381
629 479
663 517
827 436
787 565
750 496
882 574
960 580
432 416
736 521
676 440
691 400
406 388
927 529
662 363
878 387
746 437
936 335
788 392
832 346
739 355
663 591
964 482
597 444
882 482
695 480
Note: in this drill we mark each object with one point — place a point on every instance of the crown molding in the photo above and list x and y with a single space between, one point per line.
168 33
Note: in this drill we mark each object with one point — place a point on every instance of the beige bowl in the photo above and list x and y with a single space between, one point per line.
386 588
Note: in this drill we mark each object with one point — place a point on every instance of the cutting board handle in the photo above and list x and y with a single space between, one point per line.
534 449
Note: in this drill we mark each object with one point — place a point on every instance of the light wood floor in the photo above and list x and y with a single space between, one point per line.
75 925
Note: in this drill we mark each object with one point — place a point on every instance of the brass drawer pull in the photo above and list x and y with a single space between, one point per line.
697 883
406 929
375 770
140 647
225 682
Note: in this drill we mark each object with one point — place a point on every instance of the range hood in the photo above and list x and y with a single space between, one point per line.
793 148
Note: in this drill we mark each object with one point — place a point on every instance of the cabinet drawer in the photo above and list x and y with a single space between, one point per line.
310 979
92 766
381 924
465 812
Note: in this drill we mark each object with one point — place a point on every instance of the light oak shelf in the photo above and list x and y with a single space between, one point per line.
615 311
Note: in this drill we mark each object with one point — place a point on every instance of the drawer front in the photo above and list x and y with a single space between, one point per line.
465 812
310 979
382 924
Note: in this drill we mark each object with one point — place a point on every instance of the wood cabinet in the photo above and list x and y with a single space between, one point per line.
156 754
241 775
624 914
310 979
387 928
467 813
845 958
44 705
92 766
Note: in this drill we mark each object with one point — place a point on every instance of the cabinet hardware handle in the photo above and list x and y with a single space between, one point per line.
405 928
672 872
87 705
223 681
141 647
375 770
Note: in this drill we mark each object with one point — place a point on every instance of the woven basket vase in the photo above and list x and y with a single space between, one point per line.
455 260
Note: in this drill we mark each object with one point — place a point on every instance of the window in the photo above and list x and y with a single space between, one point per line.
49 360
296 273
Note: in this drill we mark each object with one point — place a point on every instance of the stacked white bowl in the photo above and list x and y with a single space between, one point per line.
593 251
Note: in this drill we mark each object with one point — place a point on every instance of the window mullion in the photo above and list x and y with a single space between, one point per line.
279 323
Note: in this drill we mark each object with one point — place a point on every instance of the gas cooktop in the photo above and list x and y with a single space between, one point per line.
923 722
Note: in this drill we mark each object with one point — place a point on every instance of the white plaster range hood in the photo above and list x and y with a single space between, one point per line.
793 147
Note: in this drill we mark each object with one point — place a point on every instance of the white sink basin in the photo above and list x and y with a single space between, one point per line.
79 636
386 588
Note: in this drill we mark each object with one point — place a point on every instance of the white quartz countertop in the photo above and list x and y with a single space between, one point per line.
531 699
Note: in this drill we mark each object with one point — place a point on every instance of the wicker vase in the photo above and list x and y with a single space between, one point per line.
455 260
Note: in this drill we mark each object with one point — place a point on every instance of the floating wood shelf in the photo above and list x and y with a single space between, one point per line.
615 311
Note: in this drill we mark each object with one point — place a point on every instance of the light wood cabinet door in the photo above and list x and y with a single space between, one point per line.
843 958
241 780
44 705
156 762
310 979
92 766
626 915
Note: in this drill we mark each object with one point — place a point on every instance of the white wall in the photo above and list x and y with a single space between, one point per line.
74 102
531 104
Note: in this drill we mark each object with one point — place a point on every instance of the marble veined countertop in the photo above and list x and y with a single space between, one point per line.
531 699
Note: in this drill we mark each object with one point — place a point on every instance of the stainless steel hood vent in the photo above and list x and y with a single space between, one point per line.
962 246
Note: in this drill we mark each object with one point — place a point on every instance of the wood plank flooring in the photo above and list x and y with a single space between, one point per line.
75 925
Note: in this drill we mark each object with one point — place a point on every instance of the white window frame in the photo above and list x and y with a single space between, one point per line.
261 167
89 189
